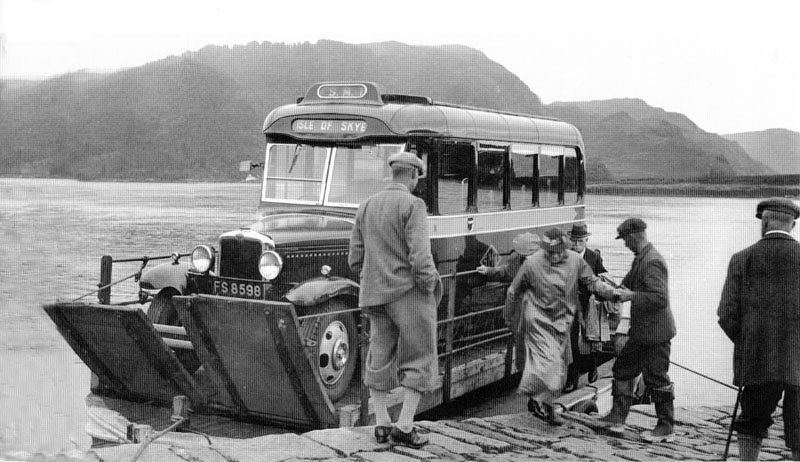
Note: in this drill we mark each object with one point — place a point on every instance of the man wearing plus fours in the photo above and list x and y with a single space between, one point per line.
760 312
652 328
400 290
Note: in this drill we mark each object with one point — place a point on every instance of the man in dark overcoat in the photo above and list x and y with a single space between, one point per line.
649 337
579 236
760 312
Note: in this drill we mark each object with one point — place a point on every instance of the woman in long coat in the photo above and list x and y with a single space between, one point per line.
545 293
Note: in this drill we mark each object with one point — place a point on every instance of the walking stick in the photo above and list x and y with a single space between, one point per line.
730 430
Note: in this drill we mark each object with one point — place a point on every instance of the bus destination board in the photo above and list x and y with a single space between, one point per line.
342 91
329 126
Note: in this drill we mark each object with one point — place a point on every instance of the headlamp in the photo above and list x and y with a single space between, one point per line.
270 265
203 258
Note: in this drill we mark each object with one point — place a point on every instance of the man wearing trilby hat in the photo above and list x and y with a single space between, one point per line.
760 312
545 294
586 321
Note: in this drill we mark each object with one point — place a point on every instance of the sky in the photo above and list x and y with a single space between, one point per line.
730 66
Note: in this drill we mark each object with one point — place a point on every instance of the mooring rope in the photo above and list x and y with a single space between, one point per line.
705 376
136 275
157 435
107 286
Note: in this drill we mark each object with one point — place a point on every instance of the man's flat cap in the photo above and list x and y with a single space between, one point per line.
778 204
630 226
525 244
408 160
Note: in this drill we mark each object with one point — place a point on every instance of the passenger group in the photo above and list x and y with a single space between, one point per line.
562 306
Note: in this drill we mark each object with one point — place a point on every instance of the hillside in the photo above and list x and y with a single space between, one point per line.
635 140
777 148
276 73
194 116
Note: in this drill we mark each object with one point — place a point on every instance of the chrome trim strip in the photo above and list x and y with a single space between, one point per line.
440 227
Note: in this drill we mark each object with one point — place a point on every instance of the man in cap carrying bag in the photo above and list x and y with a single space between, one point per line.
400 290
760 312
649 337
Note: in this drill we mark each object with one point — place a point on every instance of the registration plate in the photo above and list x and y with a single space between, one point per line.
239 288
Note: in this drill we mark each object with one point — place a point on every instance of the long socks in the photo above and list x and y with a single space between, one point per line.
411 400
380 402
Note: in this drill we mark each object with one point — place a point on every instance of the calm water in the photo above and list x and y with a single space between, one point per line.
55 231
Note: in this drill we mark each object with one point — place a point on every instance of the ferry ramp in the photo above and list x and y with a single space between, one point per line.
701 434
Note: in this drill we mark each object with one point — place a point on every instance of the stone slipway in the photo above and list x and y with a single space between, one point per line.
701 435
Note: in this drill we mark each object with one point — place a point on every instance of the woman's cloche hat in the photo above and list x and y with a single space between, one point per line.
554 240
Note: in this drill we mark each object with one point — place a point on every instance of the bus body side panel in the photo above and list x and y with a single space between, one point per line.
468 237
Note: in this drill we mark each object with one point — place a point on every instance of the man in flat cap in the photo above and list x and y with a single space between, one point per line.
652 328
544 294
760 312
400 290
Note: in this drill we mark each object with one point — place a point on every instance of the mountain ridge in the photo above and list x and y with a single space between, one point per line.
778 148
195 115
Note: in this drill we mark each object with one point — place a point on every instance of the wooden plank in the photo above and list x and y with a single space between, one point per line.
477 366
473 382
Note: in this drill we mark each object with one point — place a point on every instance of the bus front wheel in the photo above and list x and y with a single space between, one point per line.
333 343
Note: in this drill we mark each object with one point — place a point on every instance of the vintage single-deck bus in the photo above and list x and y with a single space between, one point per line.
264 325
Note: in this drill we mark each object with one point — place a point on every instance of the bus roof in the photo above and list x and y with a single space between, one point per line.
401 115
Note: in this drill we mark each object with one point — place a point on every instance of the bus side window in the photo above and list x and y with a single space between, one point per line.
491 171
548 180
455 169
571 180
523 187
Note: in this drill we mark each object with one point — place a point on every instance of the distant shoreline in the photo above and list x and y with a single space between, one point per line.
695 189
743 190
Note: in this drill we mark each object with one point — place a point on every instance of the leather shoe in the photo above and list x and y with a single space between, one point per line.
382 433
533 407
411 439
552 417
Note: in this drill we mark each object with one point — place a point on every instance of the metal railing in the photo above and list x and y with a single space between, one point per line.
106 267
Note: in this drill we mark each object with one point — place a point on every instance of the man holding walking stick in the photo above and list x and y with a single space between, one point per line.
760 312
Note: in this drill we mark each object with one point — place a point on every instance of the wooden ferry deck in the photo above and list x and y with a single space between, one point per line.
701 434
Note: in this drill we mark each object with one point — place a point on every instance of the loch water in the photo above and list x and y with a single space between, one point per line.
54 232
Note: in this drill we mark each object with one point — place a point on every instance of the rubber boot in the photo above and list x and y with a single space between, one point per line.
622 392
749 447
663 431
665 411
